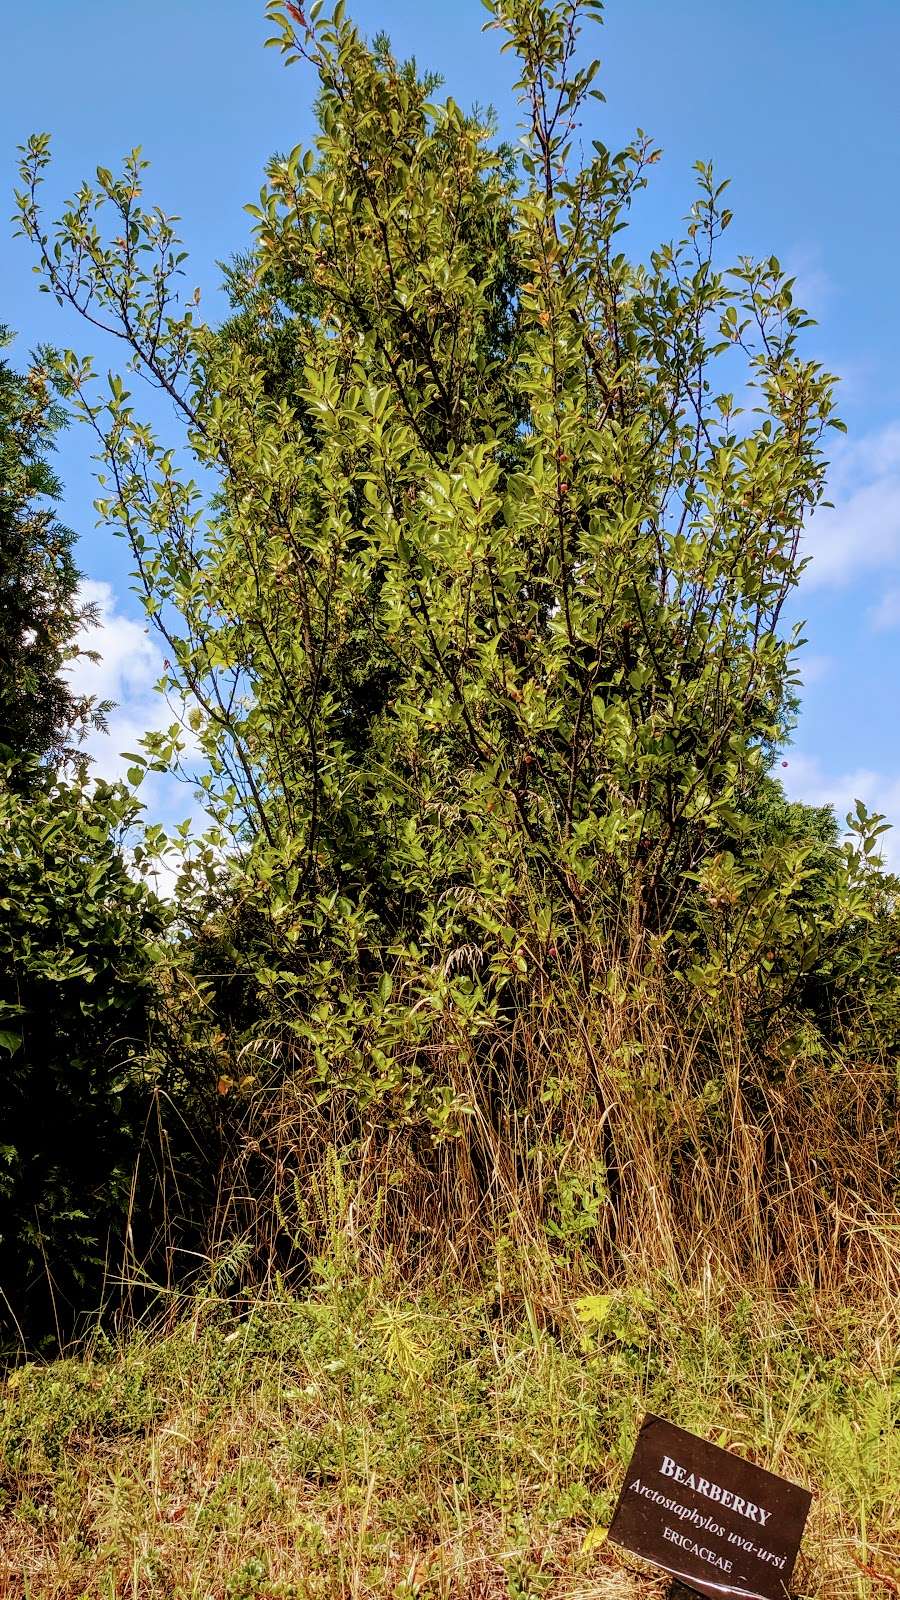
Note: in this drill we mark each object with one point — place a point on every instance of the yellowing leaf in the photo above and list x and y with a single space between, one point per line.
593 1539
594 1308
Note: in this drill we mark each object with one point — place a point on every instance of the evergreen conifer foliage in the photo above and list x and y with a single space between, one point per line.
40 615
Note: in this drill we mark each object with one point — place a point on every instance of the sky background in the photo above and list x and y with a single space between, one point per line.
794 100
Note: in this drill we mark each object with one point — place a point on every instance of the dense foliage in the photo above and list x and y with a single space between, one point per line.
76 928
76 947
480 637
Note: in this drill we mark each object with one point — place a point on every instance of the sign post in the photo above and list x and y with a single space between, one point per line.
721 1526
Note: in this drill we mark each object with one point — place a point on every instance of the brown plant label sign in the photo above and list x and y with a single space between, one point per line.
721 1525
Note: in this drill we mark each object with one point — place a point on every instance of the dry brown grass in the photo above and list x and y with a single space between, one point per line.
637 1138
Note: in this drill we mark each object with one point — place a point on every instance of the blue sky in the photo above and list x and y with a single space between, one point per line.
794 100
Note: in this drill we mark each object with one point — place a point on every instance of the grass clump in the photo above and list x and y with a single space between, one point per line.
364 1440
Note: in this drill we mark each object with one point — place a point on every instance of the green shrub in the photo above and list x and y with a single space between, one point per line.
480 635
77 941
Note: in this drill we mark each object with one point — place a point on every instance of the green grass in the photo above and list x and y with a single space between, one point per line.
360 1442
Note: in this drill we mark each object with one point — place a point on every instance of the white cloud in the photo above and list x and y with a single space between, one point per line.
163 874
131 662
813 668
860 532
887 612
130 666
872 455
804 779
813 287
